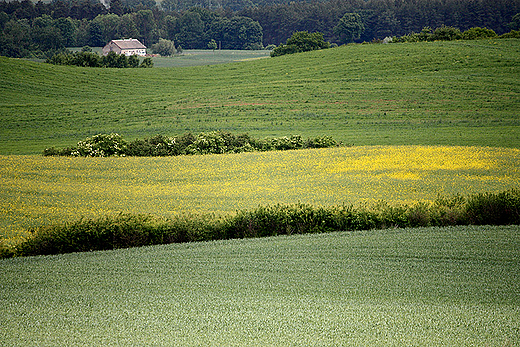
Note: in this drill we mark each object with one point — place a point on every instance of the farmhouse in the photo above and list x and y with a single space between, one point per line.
127 47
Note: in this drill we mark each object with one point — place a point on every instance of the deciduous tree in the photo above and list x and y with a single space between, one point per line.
349 28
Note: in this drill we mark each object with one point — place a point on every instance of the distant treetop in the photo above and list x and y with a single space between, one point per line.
301 41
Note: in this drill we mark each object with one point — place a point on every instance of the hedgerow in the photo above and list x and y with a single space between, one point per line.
448 33
91 59
216 142
129 230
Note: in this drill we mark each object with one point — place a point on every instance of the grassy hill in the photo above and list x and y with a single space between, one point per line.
404 287
448 93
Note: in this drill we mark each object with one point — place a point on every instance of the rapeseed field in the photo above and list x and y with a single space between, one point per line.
38 190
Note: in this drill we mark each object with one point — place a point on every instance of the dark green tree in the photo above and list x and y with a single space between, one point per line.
116 7
133 61
67 29
127 27
301 41
96 35
164 47
190 30
145 23
349 28
515 22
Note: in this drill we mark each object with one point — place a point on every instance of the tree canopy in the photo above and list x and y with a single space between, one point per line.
349 28
301 41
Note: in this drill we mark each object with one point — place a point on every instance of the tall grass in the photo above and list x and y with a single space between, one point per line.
126 230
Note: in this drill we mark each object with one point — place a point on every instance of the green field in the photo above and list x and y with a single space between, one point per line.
194 57
440 93
404 287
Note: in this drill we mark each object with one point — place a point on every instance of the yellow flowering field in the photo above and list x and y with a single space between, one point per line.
37 190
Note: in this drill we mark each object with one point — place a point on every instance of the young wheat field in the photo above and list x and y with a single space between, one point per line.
404 287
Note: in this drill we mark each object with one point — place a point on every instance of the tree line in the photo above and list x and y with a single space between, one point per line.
37 30
40 29
382 18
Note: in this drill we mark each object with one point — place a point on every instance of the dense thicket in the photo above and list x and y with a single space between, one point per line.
126 230
90 59
215 142
28 29
301 41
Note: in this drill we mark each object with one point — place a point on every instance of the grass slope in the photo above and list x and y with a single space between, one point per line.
404 287
449 93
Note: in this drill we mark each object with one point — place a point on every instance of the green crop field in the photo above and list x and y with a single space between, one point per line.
404 287
195 57
440 93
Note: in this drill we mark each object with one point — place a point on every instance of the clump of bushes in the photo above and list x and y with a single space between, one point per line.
216 142
513 34
128 230
447 33
90 59
301 41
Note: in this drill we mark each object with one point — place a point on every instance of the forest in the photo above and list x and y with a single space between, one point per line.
41 29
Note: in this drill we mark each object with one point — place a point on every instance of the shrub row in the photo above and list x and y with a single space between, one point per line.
447 33
91 59
127 230
104 145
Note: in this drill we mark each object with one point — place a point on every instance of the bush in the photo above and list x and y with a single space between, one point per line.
496 209
87 58
446 33
164 47
513 34
157 146
146 63
101 145
321 142
478 33
301 41
215 142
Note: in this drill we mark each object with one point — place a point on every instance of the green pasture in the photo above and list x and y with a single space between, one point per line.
434 93
404 287
195 57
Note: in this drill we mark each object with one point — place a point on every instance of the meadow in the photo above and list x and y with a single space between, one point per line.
403 287
196 57
434 93
37 190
